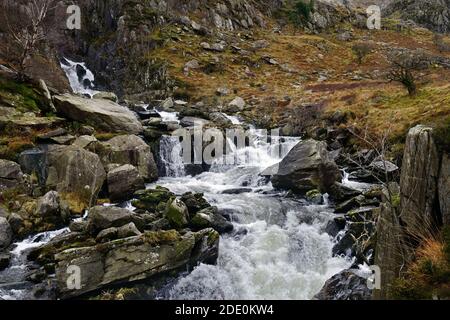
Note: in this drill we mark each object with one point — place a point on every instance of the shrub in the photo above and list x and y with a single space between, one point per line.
361 50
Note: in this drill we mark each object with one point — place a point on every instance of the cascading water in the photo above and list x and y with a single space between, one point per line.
13 284
172 164
279 249
81 79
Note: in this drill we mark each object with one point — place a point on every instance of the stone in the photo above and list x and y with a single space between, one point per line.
5 233
419 180
306 167
106 96
135 258
193 64
188 122
128 230
339 192
48 205
151 199
131 149
177 213
347 285
101 114
107 235
123 182
84 141
236 105
210 218
101 218
351 204
314 196
16 222
77 174
4 260
194 202
10 174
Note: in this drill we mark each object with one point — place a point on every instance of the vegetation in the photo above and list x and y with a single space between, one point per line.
361 50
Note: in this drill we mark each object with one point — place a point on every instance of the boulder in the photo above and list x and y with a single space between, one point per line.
131 149
128 230
77 175
52 209
135 258
10 174
101 218
308 166
347 285
106 96
123 182
220 119
237 105
100 113
314 196
152 199
5 233
194 202
177 213
339 192
210 218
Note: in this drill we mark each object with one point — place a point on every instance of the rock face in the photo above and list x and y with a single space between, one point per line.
5 233
419 181
130 149
134 258
10 174
52 209
123 182
308 166
100 113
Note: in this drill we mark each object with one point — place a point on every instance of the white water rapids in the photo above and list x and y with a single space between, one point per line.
278 249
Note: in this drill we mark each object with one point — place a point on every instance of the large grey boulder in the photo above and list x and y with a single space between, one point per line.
76 173
419 181
133 259
100 113
308 166
131 149
10 174
123 182
5 233
101 217
347 285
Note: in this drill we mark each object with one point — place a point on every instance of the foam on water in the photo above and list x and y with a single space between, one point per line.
79 85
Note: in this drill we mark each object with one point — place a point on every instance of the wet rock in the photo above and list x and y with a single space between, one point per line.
220 119
4 260
237 191
351 204
152 199
177 213
339 192
193 121
335 226
123 182
210 218
135 258
346 285
106 96
314 196
78 226
306 167
356 232
102 114
194 202
5 233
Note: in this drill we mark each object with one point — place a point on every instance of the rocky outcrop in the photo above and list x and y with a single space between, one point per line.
101 113
133 259
308 166
419 181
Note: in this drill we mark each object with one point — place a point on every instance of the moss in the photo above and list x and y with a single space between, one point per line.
162 237
395 201
105 136
22 96
174 214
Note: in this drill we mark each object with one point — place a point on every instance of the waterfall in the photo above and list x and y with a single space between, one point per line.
170 154
278 250
81 79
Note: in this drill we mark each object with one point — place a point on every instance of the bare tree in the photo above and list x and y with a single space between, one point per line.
404 65
28 31
361 50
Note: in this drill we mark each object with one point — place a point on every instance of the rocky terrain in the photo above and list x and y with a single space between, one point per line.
90 178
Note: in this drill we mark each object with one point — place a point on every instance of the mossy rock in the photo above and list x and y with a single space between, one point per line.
177 213
22 96
153 200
